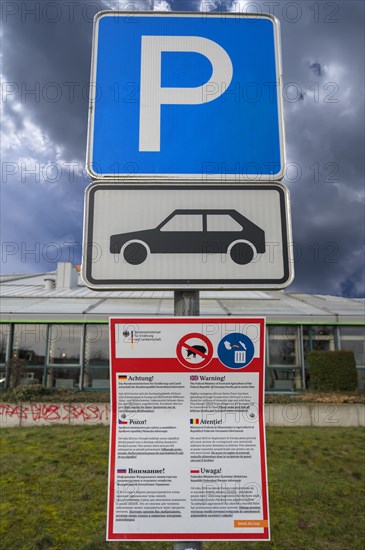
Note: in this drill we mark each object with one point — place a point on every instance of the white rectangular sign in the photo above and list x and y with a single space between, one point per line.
181 236
187 440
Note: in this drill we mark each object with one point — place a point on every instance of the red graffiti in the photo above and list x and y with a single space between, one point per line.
8 410
45 411
33 413
88 413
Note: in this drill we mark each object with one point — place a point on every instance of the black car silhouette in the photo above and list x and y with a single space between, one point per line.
194 232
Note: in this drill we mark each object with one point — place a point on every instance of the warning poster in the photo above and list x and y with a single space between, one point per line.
187 438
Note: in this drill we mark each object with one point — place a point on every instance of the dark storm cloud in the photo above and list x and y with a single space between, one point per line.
323 60
47 53
44 225
47 58
323 70
185 5
325 139
47 66
316 68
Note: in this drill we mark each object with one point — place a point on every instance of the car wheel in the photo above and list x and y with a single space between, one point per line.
135 253
242 253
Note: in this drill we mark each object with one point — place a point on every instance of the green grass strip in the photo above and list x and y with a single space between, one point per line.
54 490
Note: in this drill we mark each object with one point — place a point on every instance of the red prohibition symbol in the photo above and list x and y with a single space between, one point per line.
194 347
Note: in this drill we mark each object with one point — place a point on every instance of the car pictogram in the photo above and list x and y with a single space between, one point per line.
194 232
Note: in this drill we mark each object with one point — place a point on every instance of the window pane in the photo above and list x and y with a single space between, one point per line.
283 332
281 379
29 343
96 374
184 222
282 353
353 331
222 223
65 344
32 375
63 377
318 338
319 331
97 345
353 339
283 345
97 378
4 335
358 348
321 345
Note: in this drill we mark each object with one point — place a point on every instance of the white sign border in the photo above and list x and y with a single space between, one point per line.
177 285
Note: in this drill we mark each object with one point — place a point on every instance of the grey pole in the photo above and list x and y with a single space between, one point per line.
186 303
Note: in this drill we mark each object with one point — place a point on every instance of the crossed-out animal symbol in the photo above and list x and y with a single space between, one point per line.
190 352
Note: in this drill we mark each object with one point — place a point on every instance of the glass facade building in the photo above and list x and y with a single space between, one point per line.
76 355
54 330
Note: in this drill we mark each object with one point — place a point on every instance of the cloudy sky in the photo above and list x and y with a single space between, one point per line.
46 49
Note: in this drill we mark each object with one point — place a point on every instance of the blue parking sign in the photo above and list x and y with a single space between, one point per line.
187 96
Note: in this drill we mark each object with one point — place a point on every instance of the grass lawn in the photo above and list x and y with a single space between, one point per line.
54 486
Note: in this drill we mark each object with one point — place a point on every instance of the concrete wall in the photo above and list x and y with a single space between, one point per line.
315 414
293 414
47 414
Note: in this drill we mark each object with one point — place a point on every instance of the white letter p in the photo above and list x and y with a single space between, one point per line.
153 95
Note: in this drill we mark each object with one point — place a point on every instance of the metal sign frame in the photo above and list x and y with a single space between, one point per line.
90 245
128 174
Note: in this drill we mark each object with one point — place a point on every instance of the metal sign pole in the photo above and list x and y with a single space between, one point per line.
186 303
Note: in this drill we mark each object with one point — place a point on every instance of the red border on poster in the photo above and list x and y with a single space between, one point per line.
174 365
